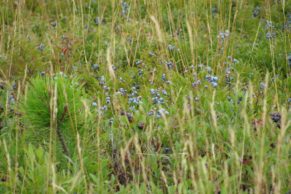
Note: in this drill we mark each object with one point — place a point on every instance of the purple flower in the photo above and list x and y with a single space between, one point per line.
289 59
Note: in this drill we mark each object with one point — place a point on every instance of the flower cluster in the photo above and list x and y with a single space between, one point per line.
156 97
213 80
223 35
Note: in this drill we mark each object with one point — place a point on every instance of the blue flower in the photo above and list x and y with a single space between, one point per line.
94 104
256 11
171 47
164 92
196 83
270 35
98 21
289 59
95 67
164 78
41 47
162 112
124 7
122 91
108 100
54 24
214 84
153 91
269 25
170 64
138 62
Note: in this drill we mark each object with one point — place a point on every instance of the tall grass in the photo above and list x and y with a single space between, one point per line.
179 96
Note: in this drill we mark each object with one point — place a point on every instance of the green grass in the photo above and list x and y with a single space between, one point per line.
188 96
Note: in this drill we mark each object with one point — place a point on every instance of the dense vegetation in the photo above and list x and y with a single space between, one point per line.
159 96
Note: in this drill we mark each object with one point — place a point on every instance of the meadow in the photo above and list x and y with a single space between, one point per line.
148 96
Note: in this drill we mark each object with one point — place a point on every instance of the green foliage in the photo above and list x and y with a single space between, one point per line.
37 109
198 100
37 103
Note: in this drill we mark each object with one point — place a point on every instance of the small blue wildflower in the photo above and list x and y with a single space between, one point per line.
164 78
214 79
41 47
223 35
108 100
196 83
289 59
170 64
214 84
235 61
121 79
11 99
111 121
138 62
114 67
152 54
269 25
270 35
95 67
227 71
158 100
125 8
98 21
122 91
256 11
162 112
134 100
94 104
54 24
104 108
239 100
171 47
164 92
150 113
102 80
140 72
153 91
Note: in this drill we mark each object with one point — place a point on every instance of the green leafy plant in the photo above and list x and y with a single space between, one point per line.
52 104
